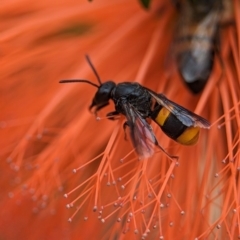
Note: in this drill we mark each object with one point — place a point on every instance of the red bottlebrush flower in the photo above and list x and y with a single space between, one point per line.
47 132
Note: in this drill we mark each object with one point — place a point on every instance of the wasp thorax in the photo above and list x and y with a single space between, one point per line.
103 95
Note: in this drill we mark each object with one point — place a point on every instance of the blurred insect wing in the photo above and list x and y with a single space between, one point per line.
141 133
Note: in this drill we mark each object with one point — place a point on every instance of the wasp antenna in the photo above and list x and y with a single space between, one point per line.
79 80
94 70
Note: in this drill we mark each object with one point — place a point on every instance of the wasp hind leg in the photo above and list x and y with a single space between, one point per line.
170 156
155 142
125 125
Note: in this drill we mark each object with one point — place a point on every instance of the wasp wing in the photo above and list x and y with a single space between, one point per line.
187 117
141 133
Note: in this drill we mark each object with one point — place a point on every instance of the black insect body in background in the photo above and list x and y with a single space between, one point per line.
197 39
137 104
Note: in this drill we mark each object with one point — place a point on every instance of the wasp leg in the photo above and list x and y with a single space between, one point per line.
97 108
125 125
154 140
170 156
113 115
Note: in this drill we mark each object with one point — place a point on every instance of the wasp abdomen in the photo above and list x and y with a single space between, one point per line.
174 128
189 136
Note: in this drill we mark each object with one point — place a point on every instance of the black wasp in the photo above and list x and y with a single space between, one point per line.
137 104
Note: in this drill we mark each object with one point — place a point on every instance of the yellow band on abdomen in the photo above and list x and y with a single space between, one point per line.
189 136
162 116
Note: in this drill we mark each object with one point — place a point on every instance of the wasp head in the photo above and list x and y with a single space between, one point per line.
103 95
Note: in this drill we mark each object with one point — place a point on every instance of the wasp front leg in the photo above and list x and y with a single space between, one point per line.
97 108
113 115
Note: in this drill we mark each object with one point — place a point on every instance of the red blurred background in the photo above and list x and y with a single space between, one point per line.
46 130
